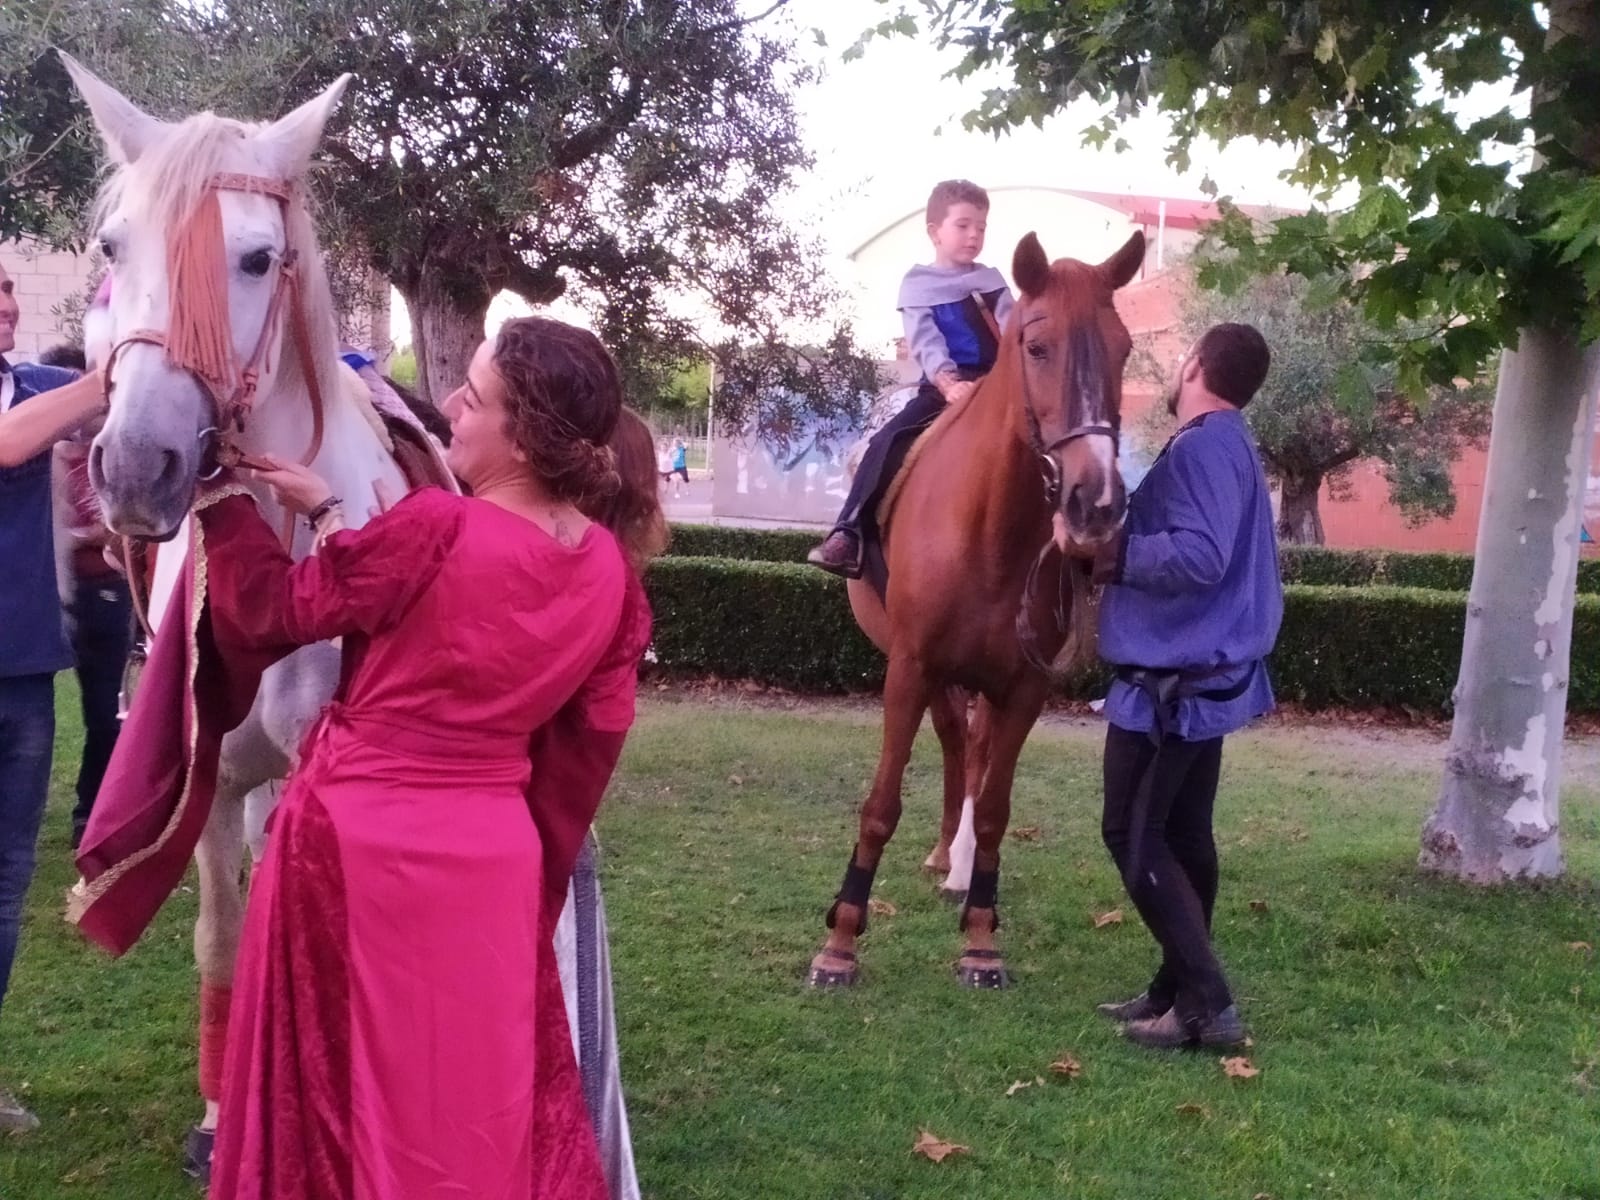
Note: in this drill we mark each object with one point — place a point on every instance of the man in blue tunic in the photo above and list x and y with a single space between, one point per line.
1191 609
33 640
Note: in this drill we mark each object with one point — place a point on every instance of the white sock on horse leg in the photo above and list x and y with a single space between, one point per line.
963 847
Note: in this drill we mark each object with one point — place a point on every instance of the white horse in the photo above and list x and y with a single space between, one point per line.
160 433
168 421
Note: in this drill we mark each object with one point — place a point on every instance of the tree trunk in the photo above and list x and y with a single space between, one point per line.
445 332
1299 518
1497 813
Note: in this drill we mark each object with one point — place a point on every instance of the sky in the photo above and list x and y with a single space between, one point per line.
886 127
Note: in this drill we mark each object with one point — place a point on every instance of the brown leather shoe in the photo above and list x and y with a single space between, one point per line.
1140 1008
839 554
1169 1032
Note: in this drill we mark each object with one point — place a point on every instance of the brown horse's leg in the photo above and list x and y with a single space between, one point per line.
1008 726
949 710
964 844
906 693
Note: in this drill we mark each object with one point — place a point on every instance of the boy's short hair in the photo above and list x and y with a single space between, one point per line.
950 192
1233 361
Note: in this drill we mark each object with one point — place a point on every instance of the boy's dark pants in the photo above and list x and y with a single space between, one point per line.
885 453
1176 886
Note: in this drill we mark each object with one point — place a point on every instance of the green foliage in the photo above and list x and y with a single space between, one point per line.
1454 223
791 394
727 541
1322 408
1360 646
623 155
1298 564
403 367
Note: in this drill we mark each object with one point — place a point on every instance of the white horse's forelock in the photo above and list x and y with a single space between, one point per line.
164 187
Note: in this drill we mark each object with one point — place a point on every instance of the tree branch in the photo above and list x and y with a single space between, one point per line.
743 21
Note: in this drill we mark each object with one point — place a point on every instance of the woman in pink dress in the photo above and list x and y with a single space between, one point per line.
398 1030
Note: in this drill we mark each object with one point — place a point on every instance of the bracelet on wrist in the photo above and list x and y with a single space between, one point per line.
317 514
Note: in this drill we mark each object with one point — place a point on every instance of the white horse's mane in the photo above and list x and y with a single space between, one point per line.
165 185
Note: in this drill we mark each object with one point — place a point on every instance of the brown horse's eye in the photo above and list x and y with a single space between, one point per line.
256 263
1037 351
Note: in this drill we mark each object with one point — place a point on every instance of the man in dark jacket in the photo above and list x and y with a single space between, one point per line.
1191 609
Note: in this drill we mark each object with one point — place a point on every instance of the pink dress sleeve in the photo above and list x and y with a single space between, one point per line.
575 753
359 581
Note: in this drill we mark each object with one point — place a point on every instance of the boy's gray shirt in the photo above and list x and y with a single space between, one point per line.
924 288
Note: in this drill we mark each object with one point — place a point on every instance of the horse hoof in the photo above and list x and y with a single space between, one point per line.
834 977
952 896
989 979
197 1147
824 978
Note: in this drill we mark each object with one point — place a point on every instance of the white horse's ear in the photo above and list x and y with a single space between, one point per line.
291 140
126 128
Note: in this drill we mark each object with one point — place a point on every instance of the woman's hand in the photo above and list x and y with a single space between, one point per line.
298 488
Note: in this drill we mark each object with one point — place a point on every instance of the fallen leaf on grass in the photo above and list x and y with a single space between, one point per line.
1580 947
1114 917
1239 1068
1068 1066
1028 833
1262 1196
936 1149
1023 1083
736 780
1194 1110
881 908
1258 906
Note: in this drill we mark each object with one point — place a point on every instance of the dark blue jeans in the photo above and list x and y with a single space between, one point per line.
102 631
27 734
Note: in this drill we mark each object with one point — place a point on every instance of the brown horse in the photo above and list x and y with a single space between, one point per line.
979 601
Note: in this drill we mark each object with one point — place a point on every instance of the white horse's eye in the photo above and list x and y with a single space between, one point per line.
256 263
108 250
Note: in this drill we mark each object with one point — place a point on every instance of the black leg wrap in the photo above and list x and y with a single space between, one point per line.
856 889
984 892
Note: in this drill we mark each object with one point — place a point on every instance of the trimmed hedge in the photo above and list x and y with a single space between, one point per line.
790 626
1315 565
747 545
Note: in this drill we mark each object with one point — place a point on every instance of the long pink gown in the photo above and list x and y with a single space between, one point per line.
398 1030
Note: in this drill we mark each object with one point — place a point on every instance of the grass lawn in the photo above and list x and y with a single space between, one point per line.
1415 1039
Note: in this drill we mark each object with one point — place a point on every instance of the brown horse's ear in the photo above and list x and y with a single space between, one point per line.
1125 263
1029 266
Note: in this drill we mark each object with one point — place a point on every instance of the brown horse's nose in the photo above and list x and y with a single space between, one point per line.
1094 511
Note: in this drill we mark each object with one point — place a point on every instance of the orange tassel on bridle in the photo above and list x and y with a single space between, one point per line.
199 337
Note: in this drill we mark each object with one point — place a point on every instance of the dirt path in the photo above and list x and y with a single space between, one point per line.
1417 745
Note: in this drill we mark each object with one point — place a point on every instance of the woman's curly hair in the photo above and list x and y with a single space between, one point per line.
563 397
633 512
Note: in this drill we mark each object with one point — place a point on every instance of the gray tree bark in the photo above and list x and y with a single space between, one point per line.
1498 812
1299 513
445 332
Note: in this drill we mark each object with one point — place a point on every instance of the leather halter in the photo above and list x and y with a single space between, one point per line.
229 412
1049 469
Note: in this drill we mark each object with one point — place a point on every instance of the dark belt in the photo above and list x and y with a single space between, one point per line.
1164 688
